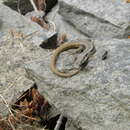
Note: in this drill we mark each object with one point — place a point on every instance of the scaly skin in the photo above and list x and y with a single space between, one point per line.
64 47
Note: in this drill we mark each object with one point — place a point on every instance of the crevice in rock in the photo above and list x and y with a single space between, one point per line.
49 116
50 4
50 43
11 4
25 5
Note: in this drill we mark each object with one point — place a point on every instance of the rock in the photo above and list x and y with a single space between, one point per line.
98 97
62 26
16 51
13 53
22 6
95 99
10 19
101 19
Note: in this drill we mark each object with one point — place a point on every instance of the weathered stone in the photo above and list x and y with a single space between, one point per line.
95 99
62 26
10 19
22 6
98 97
98 19
14 52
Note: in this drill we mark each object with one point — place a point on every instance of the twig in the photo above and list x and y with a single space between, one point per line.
3 119
34 6
28 35
59 122
13 128
7 105
53 24
21 114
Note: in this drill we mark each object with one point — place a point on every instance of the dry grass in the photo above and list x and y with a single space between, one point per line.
14 52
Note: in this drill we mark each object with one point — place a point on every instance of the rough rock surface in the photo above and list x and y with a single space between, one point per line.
98 19
14 52
62 26
10 19
96 98
13 82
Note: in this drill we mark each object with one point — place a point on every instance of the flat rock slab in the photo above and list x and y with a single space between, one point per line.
97 98
98 19
14 53
63 27
11 20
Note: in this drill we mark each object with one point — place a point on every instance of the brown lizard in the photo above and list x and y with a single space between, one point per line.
83 59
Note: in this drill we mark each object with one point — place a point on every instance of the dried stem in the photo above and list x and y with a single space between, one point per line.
59 122
34 6
13 128
7 105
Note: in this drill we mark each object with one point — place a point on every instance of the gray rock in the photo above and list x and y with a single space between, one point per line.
10 19
37 14
98 97
62 26
95 99
98 19
14 52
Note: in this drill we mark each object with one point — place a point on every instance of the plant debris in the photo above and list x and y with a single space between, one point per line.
41 22
16 34
30 108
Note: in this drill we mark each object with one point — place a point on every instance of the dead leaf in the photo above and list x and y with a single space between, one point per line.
31 103
41 22
127 1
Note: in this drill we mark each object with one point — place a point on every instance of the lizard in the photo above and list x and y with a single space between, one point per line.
82 45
